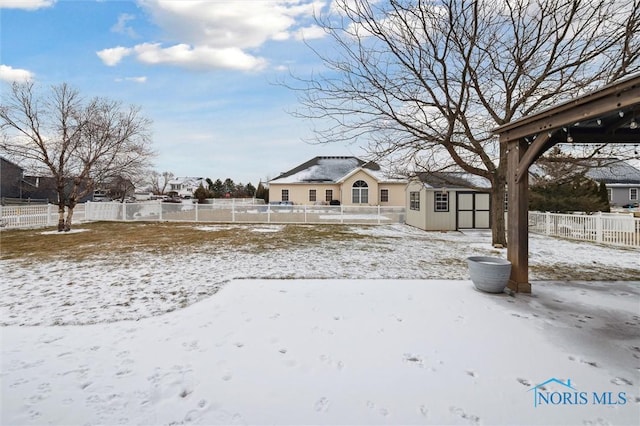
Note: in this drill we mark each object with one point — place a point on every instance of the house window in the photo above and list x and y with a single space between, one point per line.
441 201
384 195
285 195
414 200
360 192
328 195
633 194
312 195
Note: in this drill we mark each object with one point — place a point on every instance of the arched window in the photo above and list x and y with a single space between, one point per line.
360 192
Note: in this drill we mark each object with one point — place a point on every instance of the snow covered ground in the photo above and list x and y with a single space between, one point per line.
390 332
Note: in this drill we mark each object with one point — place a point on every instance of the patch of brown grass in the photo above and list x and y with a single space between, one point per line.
107 238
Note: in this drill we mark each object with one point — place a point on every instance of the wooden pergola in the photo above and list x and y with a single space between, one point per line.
609 115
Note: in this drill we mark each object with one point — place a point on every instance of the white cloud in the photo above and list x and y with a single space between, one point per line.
11 75
198 57
309 33
141 79
121 26
240 24
25 4
218 34
113 55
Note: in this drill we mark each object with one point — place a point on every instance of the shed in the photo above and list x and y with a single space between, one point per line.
448 201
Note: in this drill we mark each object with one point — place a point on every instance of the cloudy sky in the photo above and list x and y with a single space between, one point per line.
203 71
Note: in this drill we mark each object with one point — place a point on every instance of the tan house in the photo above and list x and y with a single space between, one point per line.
448 202
338 180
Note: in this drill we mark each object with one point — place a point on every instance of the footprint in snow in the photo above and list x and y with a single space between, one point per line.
621 381
322 405
473 419
382 411
423 410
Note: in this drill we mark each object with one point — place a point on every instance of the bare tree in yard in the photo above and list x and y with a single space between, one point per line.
73 140
159 181
425 82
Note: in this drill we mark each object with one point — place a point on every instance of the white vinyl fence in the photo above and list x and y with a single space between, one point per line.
610 228
243 213
34 216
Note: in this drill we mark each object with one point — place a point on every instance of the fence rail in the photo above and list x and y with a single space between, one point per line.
614 229
609 228
34 216
243 213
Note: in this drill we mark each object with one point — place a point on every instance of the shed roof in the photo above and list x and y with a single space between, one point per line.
453 180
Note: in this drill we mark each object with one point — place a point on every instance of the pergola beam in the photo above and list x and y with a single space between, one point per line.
618 97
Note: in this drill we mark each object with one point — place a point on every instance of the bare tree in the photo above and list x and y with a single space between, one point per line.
79 143
159 181
423 83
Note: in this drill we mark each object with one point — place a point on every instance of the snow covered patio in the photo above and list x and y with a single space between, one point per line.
352 330
337 352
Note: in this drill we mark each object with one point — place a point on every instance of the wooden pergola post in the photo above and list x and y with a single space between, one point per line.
517 218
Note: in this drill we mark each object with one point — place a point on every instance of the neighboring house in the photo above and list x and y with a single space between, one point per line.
15 184
448 201
184 187
622 181
338 180
11 176
44 188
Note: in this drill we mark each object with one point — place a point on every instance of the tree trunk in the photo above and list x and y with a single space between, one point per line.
498 228
498 192
61 216
67 224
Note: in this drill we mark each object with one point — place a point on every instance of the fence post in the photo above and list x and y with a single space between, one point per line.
196 212
124 212
599 228
160 215
341 213
547 223
378 214
305 213
233 210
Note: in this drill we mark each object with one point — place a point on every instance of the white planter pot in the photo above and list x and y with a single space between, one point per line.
489 274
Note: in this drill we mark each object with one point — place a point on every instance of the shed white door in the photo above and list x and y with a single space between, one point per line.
473 210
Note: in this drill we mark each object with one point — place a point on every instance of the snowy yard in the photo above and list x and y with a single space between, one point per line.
374 325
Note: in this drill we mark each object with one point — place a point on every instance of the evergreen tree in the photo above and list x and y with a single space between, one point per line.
201 193
604 198
228 187
250 190
262 193
577 194
563 187
218 189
